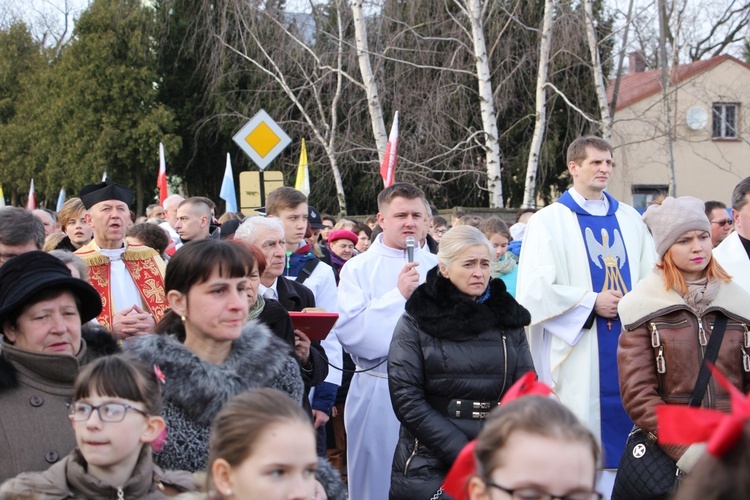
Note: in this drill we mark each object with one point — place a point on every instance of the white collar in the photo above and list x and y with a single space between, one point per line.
594 207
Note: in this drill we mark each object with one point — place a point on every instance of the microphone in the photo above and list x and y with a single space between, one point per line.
410 242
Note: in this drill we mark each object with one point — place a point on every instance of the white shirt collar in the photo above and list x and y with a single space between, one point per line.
594 207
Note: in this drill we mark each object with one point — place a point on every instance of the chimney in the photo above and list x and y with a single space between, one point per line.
637 62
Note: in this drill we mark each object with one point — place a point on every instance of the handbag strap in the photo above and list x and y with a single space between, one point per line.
712 352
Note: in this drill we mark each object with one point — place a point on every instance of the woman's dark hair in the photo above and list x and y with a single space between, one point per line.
193 264
536 415
120 376
150 235
358 228
246 417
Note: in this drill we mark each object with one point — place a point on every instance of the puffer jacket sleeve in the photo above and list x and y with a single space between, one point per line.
524 362
639 382
406 383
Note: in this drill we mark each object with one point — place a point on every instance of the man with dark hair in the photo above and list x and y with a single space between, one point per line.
580 255
721 223
733 254
373 290
20 232
129 278
154 211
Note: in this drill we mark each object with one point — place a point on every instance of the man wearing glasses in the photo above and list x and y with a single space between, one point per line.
721 223
733 254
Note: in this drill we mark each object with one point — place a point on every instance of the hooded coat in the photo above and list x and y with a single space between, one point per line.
448 346
34 388
196 390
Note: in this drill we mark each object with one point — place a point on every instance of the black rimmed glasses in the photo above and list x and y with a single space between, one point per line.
110 412
529 493
723 222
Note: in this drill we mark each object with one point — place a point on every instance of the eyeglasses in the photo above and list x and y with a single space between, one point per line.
440 231
110 412
723 222
529 493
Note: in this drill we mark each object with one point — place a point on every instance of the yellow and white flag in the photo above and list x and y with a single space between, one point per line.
303 175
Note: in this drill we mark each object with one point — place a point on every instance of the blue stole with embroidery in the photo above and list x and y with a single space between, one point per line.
610 270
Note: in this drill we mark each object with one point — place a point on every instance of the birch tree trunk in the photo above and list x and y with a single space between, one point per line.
620 62
596 63
487 108
663 20
368 79
529 192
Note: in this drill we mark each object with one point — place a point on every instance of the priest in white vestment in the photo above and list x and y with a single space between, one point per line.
372 294
569 312
733 254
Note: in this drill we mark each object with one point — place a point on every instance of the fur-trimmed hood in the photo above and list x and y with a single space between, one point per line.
98 342
200 388
442 311
649 299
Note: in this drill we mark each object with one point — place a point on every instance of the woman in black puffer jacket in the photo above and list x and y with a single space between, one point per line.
457 349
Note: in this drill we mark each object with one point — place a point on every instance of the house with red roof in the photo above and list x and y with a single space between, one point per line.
710 128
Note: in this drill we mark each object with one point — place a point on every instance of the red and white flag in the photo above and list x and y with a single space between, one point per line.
388 168
161 181
31 201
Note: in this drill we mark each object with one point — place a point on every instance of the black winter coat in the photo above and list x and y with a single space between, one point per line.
448 346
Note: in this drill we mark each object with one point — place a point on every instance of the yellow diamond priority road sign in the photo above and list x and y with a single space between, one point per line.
262 139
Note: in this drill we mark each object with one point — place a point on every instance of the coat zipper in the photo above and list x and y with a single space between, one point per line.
703 342
505 363
413 453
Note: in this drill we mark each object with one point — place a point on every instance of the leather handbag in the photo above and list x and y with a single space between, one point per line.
645 472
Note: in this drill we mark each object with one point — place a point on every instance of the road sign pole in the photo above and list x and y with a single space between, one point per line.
262 189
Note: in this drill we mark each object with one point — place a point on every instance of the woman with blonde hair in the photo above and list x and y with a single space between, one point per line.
456 350
672 322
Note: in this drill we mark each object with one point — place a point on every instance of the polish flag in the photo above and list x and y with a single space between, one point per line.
161 181
388 168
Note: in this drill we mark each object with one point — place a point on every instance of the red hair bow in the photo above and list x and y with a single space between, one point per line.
465 467
685 425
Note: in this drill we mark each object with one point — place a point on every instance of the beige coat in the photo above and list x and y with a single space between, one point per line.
34 388
68 479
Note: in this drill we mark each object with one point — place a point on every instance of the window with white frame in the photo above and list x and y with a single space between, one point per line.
725 117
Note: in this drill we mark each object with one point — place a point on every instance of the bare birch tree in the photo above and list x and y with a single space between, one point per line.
540 123
473 9
368 79
596 64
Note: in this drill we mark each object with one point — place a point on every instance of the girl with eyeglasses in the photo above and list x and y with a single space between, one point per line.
534 448
116 416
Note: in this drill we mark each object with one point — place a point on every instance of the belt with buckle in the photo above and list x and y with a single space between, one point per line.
467 408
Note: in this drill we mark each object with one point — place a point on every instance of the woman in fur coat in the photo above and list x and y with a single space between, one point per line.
206 351
458 347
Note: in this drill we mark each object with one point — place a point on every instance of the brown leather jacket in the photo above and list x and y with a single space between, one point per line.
662 346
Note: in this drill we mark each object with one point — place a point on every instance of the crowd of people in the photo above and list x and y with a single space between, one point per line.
169 346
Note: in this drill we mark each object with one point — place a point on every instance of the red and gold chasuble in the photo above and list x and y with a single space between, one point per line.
144 266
